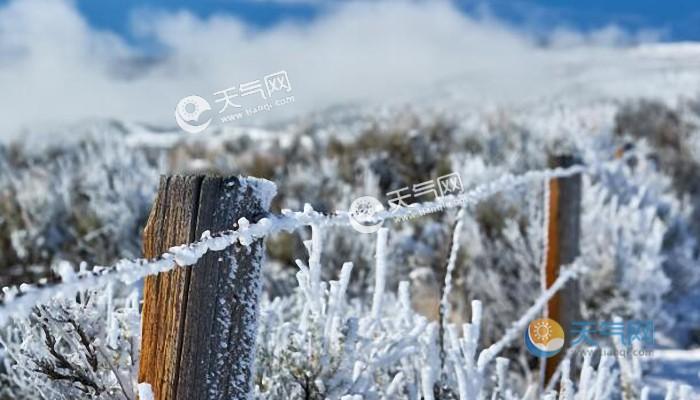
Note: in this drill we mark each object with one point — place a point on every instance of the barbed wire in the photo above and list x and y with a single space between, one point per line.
19 300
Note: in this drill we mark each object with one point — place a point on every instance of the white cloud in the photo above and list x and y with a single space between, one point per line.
54 68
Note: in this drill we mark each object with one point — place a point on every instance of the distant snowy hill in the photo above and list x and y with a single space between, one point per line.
574 78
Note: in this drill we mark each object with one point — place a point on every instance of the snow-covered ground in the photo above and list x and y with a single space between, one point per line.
632 115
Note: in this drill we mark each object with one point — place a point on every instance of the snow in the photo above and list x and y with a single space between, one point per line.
355 348
65 270
380 272
451 263
145 392
263 189
19 301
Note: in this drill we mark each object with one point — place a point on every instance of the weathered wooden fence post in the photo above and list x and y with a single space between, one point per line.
199 323
563 231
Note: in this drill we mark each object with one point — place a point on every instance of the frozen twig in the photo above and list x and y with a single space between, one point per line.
379 273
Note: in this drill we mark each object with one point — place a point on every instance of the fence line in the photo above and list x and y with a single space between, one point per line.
19 300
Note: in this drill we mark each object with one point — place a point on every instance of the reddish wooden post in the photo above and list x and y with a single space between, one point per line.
198 327
563 232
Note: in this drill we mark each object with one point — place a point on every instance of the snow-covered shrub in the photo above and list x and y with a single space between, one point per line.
87 201
670 132
635 237
503 258
82 348
319 344
500 251
82 203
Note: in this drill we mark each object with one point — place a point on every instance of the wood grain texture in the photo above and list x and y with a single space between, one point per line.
219 338
198 328
169 224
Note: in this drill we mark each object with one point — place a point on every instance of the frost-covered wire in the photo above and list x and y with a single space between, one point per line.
20 299
445 308
451 263
479 193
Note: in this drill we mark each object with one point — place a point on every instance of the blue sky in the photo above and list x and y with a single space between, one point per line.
678 20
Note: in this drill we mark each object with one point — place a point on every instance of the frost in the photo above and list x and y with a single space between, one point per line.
185 255
145 392
264 190
65 270
380 272
348 330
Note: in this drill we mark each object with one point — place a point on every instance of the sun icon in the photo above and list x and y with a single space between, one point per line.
544 337
543 331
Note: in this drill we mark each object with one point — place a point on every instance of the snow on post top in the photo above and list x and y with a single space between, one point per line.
263 189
